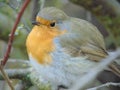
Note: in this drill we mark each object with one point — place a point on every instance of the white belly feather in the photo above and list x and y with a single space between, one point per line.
64 70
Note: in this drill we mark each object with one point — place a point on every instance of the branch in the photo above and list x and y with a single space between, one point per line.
6 56
27 77
18 63
16 73
83 81
13 31
22 70
21 74
105 85
6 77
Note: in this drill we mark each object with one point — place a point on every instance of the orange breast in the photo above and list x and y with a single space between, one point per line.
39 43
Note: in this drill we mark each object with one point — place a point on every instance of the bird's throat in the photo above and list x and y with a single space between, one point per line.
40 43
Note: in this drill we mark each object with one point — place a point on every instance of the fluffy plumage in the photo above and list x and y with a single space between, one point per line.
66 51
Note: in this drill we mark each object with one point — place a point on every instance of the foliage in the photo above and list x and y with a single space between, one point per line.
112 25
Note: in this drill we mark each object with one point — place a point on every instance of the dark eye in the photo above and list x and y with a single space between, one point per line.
52 24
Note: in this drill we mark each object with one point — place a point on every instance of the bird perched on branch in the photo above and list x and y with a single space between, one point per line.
63 48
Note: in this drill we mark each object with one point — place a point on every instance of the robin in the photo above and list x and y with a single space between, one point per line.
63 48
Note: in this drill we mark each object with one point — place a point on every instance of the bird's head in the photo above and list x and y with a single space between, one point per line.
52 17
50 23
52 13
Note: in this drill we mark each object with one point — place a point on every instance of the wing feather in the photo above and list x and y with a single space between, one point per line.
83 39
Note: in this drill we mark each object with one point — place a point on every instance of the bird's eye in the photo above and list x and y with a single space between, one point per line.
52 24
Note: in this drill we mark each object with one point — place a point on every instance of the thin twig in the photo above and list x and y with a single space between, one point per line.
104 85
83 81
6 78
13 31
6 56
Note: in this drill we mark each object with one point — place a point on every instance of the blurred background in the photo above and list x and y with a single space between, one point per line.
104 14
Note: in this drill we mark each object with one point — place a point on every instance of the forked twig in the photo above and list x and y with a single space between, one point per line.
6 77
6 56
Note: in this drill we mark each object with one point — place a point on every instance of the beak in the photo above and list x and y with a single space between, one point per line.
35 23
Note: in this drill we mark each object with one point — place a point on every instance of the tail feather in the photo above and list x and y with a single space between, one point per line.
115 68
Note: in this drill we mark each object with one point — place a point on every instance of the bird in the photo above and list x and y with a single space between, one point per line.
63 48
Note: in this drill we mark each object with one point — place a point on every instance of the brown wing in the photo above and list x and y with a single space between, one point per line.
84 39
